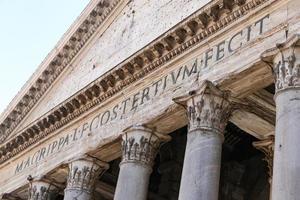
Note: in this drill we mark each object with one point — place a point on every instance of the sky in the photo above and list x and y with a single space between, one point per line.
29 30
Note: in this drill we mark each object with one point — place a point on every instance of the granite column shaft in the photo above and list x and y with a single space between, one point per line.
285 60
208 111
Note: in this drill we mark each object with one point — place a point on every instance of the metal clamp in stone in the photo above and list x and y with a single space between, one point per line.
141 144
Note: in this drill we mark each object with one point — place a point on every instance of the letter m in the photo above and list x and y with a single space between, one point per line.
188 72
19 167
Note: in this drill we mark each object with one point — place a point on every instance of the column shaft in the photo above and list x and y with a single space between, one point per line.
133 182
286 67
201 170
286 178
208 111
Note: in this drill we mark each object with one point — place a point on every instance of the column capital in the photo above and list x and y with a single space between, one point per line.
267 147
83 173
285 61
208 108
40 188
140 144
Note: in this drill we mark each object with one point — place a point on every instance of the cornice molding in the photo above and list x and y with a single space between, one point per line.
59 62
190 32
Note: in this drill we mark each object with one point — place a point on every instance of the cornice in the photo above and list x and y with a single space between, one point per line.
190 32
55 64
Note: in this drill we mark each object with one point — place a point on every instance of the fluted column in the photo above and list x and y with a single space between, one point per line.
208 111
285 60
139 148
267 147
41 190
82 176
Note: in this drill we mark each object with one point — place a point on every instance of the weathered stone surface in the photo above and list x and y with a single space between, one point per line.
286 179
82 177
139 147
229 56
285 59
208 111
131 33
41 190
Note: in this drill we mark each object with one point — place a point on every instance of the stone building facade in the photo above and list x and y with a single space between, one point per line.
161 99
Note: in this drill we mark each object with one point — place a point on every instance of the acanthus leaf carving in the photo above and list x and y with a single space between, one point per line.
284 59
141 144
208 111
83 174
207 108
40 189
287 70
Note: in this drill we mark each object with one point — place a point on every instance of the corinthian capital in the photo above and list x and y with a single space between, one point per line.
140 144
208 108
40 190
83 173
285 60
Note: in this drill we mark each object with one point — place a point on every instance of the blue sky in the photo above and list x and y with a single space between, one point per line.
28 32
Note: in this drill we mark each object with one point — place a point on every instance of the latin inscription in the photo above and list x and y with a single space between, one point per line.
133 102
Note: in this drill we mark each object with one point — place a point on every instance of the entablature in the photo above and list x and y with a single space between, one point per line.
140 79
193 31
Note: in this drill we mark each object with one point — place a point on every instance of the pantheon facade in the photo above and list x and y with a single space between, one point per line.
161 100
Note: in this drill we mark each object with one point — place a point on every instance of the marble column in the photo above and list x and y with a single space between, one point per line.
208 111
82 176
267 147
285 60
41 190
139 148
